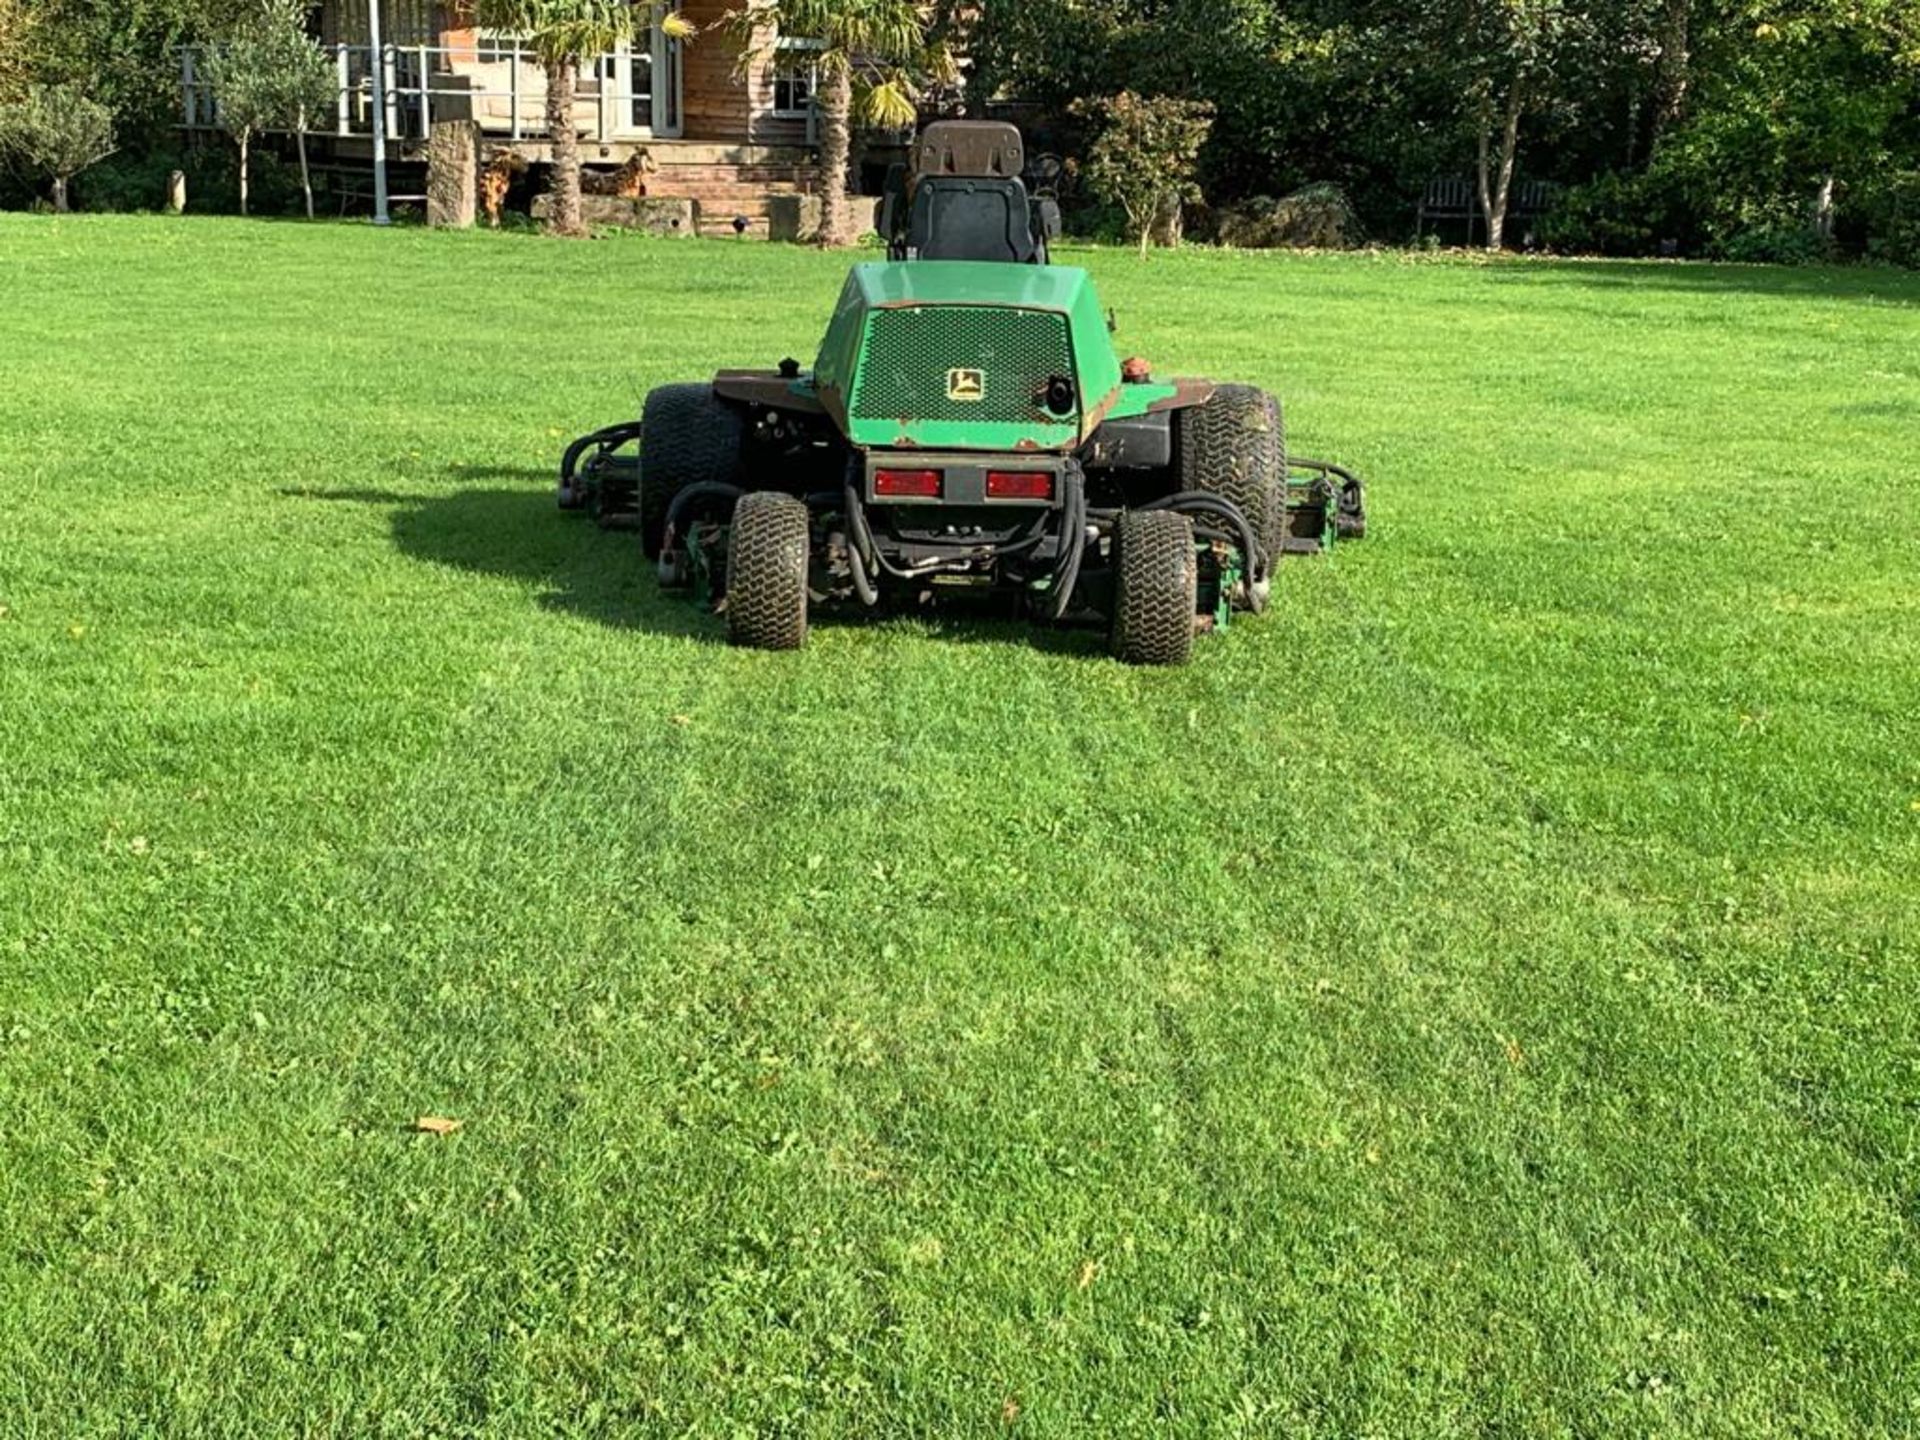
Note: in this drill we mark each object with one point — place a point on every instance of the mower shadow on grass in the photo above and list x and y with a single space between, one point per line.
518 534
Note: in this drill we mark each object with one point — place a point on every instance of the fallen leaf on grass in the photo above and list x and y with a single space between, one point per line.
1088 1270
1009 1410
681 719
436 1125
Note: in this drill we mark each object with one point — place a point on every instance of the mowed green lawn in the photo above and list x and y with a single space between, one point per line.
1482 999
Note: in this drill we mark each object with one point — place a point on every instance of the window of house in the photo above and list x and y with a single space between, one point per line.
795 77
496 47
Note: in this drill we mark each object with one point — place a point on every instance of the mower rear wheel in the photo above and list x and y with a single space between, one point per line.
1156 587
688 436
767 555
1235 446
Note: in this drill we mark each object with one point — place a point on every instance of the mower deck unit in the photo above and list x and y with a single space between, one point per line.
966 425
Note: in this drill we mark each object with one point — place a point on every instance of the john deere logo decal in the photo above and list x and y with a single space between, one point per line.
970 385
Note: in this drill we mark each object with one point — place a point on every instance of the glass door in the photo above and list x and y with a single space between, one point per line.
665 84
627 76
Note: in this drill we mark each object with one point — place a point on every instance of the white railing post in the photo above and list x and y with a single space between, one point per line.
376 54
342 69
426 97
513 89
390 79
610 67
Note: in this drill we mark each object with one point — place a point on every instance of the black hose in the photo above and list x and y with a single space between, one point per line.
696 494
1188 502
1324 467
861 537
859 543
862 583
1067 573
610 436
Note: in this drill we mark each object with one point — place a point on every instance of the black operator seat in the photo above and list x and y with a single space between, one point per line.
955 219
964 198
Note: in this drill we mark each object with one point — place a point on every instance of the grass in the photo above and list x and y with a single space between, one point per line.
1480 1001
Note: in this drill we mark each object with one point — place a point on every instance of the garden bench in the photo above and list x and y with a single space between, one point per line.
1454 197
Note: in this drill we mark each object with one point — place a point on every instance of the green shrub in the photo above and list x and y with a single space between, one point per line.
1607 216
1893 220
136 184
1775 243
128 183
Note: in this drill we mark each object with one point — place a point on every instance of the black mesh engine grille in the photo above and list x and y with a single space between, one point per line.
919 362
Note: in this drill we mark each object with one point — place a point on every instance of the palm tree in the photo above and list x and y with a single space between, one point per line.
872 55
565 35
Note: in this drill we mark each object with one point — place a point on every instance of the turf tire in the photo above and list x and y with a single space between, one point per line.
767 555
1235 446
1156 587
688 435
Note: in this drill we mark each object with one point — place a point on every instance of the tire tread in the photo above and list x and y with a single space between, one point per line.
767 555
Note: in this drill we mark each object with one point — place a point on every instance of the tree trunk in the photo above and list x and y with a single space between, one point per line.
1674 69
1484 134
243 138
1495 191
60 195
564 181
1169 226
306 176
836 145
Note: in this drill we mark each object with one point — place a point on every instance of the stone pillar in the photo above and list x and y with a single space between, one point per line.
453 170
794 218
177 193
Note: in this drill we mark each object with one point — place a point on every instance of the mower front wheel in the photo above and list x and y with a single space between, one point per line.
1156 587
767 555
689 436
1235 446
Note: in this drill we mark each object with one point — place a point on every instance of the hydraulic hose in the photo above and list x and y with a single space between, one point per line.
857 523
1067 573
610 437
1190 502
696 494
862 582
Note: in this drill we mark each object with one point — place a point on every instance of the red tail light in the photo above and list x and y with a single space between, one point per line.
917 483
1019 485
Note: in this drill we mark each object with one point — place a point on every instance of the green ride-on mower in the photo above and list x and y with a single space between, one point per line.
967 425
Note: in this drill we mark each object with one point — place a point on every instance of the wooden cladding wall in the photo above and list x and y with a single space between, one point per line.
722 102
716 105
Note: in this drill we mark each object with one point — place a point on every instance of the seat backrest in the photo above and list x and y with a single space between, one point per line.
969 219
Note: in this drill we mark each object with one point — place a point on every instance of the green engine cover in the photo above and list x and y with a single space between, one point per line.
961 355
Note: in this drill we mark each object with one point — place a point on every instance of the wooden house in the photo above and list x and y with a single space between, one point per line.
726 132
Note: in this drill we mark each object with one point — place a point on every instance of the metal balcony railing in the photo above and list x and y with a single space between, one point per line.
427 83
